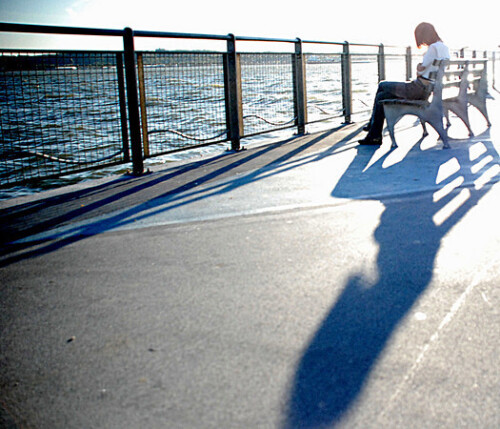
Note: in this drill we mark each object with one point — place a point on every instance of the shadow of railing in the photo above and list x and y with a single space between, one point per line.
342 353
43 226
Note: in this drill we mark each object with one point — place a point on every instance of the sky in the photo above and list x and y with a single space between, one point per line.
358 21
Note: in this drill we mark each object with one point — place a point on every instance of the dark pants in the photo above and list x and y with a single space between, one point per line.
414 90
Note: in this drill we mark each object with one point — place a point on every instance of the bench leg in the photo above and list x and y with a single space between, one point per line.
465 119
471 134
425 133
460 109
391 134
438 126
481 106
447 117
392 116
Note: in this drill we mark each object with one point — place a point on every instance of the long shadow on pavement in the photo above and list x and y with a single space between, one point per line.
338 360
124 202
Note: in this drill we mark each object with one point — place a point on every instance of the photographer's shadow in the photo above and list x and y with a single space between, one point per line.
338 360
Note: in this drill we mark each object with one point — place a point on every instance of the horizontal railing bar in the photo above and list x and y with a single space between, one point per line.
319 42
52 29
59 51
364 54
249 53
165 52
371 45
264 39
163 34
80 51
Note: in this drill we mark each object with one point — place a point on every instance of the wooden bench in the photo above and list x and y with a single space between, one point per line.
472 89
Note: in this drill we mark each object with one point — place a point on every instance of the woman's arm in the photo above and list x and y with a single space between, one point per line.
427 60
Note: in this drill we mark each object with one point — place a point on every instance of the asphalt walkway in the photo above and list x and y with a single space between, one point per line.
301 284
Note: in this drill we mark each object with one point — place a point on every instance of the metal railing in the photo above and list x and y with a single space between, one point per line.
70 111
60 112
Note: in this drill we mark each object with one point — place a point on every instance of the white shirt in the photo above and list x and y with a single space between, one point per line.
436 51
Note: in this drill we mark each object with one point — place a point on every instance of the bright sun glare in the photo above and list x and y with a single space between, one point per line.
380 22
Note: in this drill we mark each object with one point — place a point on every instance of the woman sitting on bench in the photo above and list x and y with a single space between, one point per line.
418 89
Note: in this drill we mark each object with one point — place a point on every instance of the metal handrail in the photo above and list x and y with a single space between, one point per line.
126 62
87 31
164 34
52 29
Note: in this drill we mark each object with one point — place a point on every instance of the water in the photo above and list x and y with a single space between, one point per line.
72 115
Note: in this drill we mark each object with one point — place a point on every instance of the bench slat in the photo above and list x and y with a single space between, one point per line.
421 103
453 74
454 84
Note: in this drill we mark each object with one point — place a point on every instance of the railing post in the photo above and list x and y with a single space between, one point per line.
133 102
299 84
142 101
484 79
232 84
493 69
123 106
381 63
346 83
409 70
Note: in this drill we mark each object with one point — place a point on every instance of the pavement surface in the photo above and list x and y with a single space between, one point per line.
309 283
